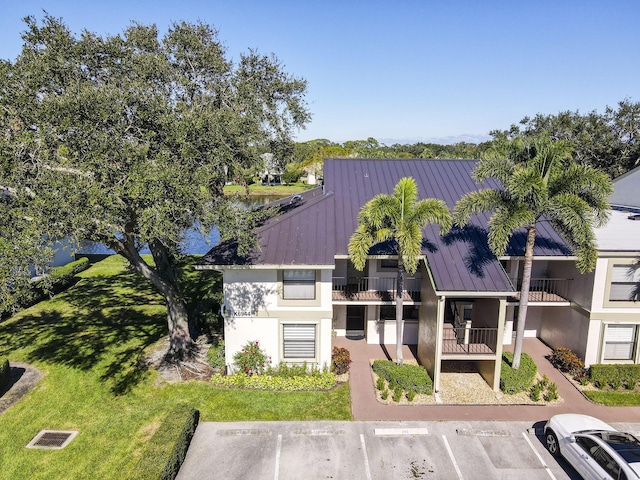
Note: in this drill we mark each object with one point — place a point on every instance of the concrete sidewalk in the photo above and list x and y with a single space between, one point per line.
364 405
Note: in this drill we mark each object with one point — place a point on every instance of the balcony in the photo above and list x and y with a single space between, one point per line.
374 289
550 290
465 340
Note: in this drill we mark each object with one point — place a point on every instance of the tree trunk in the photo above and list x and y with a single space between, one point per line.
164 279
524 295
399 316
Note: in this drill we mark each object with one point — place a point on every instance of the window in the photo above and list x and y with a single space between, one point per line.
299 284
388 312
625 283
619 342
388 263
299 340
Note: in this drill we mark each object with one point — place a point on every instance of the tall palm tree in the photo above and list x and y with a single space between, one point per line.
399 217
539 181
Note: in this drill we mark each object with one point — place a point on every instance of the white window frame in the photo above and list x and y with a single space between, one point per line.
620 342
301 284
303 339
622 279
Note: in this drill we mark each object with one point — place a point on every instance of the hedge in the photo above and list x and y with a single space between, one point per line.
319 381
5 374
165 451
407 377
614 375
515 381
58 280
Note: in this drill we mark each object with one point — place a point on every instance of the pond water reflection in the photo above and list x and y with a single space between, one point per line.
194 243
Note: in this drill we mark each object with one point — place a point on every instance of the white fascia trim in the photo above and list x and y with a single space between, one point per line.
264 267
539 257
375 257
474 294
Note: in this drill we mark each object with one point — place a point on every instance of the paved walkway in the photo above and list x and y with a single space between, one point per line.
365 406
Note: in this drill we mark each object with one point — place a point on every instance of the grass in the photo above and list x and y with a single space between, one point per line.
265 190
614 399
88 342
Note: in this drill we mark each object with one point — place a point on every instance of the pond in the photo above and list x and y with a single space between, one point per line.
194 243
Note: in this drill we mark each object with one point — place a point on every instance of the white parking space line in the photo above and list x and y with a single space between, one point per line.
379 432
278 448
453 459
546 467
366 457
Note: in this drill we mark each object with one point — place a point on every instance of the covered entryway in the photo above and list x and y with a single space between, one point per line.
355 320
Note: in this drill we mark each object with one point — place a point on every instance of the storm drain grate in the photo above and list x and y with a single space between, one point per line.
52 439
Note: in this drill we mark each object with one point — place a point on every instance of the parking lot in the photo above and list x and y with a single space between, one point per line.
373 451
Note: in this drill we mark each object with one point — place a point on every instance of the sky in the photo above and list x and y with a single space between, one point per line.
403 71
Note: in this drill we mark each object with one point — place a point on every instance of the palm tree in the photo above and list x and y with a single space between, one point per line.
399 217
539 181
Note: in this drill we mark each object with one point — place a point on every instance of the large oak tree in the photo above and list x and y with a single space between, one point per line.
128 140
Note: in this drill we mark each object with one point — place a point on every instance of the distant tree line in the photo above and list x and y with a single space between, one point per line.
608 141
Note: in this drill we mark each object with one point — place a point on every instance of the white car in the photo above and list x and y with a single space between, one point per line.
595 449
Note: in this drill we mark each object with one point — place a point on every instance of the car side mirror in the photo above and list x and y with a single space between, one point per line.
572 438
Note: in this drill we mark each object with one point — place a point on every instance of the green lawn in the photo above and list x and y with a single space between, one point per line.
614 399
265 190
88 342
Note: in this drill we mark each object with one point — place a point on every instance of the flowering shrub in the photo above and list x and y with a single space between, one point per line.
566 361
340 360
320 381
251 359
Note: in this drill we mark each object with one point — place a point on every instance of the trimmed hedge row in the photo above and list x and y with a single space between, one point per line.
5 374
515 381
408 377
615 376
165 451
318 381
58 280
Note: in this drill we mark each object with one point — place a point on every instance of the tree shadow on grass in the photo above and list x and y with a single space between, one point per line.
109 341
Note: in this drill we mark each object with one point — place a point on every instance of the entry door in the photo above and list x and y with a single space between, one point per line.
355 319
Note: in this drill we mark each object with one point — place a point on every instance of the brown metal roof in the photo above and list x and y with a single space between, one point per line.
318 227
297 236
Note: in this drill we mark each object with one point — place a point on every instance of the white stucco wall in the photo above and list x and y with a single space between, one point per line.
254 310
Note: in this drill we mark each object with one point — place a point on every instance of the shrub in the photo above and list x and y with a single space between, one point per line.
340 360
514 381
397 394
545 388
165 451
251 359
58 279
215 355
319 381
406 377
385 394
411 394
552 392
5 374
536 391
566 361
380 384
290 371
614 376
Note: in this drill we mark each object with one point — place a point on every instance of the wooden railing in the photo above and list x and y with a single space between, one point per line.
375 284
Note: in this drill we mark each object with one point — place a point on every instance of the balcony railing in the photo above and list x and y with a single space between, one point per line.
546 289
469 341
382 287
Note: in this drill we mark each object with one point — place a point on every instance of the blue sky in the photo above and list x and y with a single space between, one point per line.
405 71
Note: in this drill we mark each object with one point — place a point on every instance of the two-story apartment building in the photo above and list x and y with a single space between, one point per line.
298 288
